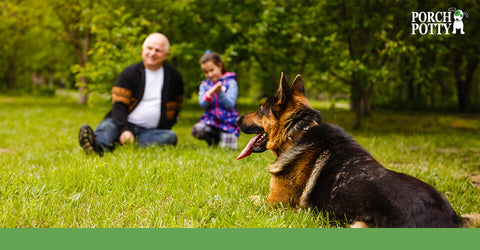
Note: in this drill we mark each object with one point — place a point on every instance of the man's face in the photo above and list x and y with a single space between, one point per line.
154 53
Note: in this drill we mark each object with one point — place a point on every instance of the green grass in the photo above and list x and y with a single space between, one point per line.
47 181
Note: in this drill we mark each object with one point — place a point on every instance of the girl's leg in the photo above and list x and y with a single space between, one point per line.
148 137
207 133
229 141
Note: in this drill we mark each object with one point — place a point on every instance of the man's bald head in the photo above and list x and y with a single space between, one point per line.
155 50
157 38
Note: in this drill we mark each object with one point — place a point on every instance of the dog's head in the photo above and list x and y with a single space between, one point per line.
458 15
274 118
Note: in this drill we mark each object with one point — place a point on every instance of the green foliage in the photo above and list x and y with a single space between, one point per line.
31 44
48 181
362 50
118 38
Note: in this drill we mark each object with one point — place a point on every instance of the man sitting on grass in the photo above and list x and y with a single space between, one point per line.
147 98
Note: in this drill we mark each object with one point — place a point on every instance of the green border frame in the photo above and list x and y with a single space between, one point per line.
405 239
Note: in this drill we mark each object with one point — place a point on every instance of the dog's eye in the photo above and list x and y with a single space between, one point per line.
259 112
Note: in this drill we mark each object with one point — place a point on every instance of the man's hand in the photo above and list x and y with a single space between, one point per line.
126 137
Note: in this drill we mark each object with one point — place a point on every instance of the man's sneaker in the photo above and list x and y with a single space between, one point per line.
86 137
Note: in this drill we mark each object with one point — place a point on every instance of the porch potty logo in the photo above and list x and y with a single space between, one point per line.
438 23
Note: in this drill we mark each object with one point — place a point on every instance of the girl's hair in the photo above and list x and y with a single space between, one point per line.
214 58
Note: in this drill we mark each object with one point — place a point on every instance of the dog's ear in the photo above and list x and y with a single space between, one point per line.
297 86
284 92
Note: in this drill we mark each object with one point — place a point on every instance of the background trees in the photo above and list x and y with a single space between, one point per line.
30 54
362 50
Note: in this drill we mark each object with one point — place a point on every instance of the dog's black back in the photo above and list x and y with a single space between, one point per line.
353 184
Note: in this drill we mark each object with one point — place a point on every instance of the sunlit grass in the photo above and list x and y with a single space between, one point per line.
48 181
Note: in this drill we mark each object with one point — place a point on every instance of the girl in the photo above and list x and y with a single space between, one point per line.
218 96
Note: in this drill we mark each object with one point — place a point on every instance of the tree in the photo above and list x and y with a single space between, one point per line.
355 48
76 18
360 33
30 45
465 56
13 25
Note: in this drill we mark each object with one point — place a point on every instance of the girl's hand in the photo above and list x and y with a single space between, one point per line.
217 88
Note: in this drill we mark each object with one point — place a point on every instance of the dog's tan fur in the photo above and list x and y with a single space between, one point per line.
285 188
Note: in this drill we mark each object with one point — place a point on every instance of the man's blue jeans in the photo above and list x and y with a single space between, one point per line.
107 134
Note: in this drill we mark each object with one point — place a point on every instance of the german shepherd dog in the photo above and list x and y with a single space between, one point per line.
319 166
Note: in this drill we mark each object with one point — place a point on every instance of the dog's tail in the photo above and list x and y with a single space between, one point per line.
470 220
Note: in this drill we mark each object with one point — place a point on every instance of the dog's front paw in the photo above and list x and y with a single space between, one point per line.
359 224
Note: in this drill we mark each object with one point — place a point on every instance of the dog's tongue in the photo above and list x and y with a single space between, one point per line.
247 150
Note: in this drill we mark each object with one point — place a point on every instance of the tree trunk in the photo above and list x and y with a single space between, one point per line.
367 105
464 84
11 71
83 91
357 102
359 93
11 76
51 83
267 89
81 50
462 95
410 91
472 64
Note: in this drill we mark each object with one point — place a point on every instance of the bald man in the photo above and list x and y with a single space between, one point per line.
147 98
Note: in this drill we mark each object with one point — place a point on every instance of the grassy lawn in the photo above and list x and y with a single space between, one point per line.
47 181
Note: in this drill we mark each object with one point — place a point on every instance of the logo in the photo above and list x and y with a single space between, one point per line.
438 23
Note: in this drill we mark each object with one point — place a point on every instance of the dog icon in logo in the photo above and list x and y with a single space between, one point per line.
458 20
